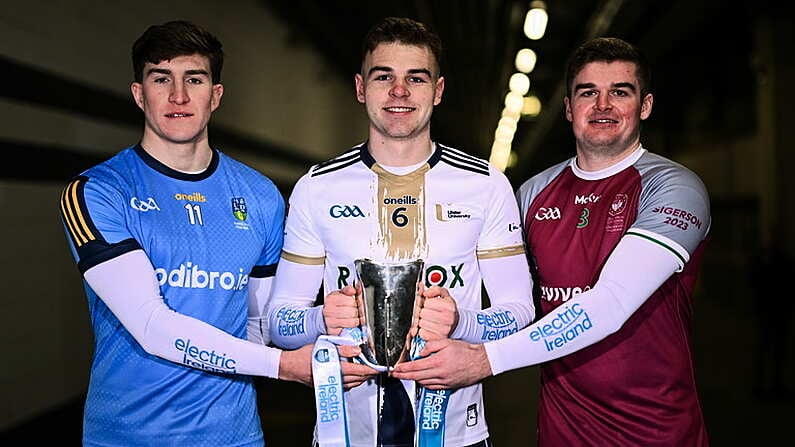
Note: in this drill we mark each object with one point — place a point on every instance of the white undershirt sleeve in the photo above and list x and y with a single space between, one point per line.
509 286
294 322
633 271
128 285
259 290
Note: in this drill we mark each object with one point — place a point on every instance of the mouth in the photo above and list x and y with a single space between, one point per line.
400 109
178 115
602 121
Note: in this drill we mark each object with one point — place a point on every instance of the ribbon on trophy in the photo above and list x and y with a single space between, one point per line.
332 421
431 407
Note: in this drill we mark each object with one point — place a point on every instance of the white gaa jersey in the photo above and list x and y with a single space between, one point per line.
451 212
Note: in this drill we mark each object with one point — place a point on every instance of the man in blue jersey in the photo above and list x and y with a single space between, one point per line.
177 244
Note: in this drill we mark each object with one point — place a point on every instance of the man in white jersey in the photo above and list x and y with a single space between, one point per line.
177 244
398 197
616 236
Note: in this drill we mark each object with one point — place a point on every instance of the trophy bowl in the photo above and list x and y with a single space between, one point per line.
386 294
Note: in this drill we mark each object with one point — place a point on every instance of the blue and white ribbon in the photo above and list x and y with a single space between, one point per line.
432 408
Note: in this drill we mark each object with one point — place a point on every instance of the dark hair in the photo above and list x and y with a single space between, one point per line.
173 39
609 49
405 31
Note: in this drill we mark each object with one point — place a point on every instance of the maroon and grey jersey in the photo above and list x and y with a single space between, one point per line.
636 386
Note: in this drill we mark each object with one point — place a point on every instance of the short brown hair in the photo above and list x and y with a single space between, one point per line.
406 31
173 39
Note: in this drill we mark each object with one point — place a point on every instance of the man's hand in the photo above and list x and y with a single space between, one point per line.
447 364
296 366
339 310
438 315
354 374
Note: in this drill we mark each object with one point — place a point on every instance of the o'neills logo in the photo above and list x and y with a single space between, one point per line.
194 197
567 324
329 401
433 409
207 360
405 200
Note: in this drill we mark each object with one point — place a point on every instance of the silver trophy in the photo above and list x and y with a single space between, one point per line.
386 294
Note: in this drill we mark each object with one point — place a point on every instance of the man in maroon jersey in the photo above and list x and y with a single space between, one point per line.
616 235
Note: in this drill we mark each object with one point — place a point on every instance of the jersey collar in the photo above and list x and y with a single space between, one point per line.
369 161
153 163
628 161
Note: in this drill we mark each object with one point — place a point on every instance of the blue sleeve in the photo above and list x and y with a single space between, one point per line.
95 221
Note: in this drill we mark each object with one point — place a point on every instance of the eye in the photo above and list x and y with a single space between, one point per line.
383 77
417 80
588 93
619 92
195 81
160 80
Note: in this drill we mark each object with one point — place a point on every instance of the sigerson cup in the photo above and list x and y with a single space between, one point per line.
386 294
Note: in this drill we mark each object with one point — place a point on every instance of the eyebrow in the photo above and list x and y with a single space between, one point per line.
165 71
410 71
587 85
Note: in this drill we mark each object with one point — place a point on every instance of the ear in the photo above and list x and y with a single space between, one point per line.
359 82
567 106
645 106
437 95
138 94
215 100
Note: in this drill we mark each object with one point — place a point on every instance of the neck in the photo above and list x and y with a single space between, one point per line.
402 152
596 160
193 156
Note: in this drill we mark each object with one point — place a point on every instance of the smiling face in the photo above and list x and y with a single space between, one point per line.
606 108
399 86
177 97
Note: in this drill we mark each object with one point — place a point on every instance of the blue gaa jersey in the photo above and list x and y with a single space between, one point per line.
205 234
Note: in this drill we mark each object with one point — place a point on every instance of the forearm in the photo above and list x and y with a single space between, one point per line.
128 286
509 286
294 322
634 270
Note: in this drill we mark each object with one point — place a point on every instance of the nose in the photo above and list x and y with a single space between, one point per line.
399 90
179 94
603 102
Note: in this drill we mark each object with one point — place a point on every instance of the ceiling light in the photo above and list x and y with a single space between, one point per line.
519 83
535 22
525 60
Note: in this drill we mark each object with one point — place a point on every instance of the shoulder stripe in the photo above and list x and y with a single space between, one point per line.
342 158
306 260
501 252
463 156
468 167
336 166
74 214
464 161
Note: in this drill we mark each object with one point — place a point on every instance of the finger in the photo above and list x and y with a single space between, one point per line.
349 351
433 291
348 291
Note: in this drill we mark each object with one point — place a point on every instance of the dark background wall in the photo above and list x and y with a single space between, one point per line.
723 76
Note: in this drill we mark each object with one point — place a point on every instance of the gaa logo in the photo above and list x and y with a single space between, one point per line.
337 211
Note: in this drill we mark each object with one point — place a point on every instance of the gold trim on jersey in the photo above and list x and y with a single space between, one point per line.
306 260
500 252
401 212
73 215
